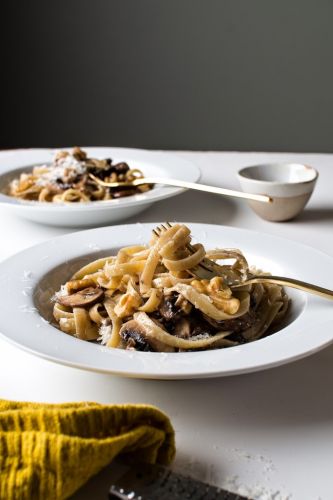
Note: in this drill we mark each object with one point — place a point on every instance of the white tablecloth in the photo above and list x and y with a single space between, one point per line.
267 434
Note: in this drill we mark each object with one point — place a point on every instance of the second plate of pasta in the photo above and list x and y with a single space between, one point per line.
141 307
54 187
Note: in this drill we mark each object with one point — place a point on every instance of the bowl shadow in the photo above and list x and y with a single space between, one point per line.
191 206
319 214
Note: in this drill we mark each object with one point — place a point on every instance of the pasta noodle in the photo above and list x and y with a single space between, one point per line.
150 299
66 180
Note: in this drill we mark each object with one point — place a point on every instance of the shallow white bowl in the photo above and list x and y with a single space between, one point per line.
97 213
290 186
29 279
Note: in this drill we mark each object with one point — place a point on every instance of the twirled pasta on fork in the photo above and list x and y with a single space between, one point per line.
147 298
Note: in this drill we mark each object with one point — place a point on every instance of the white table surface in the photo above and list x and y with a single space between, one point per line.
267 434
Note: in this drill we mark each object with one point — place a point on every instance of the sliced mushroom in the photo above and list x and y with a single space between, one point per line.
182 328
121 193
133 331
79 154
86 297
121 168
236 325
169 310
80 182
201 329
101 172
184 304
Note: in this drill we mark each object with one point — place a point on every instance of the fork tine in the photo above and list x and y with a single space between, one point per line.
200 266
162 227
159 229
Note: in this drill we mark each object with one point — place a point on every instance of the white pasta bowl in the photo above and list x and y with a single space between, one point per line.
95 213
30 278
290 185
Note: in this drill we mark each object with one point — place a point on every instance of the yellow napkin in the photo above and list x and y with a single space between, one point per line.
49 451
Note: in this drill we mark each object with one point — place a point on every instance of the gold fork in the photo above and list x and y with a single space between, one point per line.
208 269
183 184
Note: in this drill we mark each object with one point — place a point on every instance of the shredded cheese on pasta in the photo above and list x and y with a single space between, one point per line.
66 180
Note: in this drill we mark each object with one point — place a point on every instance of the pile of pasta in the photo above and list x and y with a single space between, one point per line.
149 298
67 180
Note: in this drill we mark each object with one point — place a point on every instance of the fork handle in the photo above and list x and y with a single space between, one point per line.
291 282
201 187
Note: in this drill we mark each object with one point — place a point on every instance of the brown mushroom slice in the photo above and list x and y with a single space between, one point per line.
236 325
121 168
182 328
121 193
79 154
134 332
153 332
184 304
86 297
168 308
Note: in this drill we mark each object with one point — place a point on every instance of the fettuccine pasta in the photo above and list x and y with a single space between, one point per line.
148 298
66 180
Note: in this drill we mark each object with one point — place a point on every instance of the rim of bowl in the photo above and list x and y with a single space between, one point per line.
241 173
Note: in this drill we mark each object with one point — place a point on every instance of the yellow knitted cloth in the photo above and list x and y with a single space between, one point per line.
49 451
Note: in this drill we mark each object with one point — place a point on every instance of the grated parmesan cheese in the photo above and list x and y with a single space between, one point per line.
63 292
105 332
65 168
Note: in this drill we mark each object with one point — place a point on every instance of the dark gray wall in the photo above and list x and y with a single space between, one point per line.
183 74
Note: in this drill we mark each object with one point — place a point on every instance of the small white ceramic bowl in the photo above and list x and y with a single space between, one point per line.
290 186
